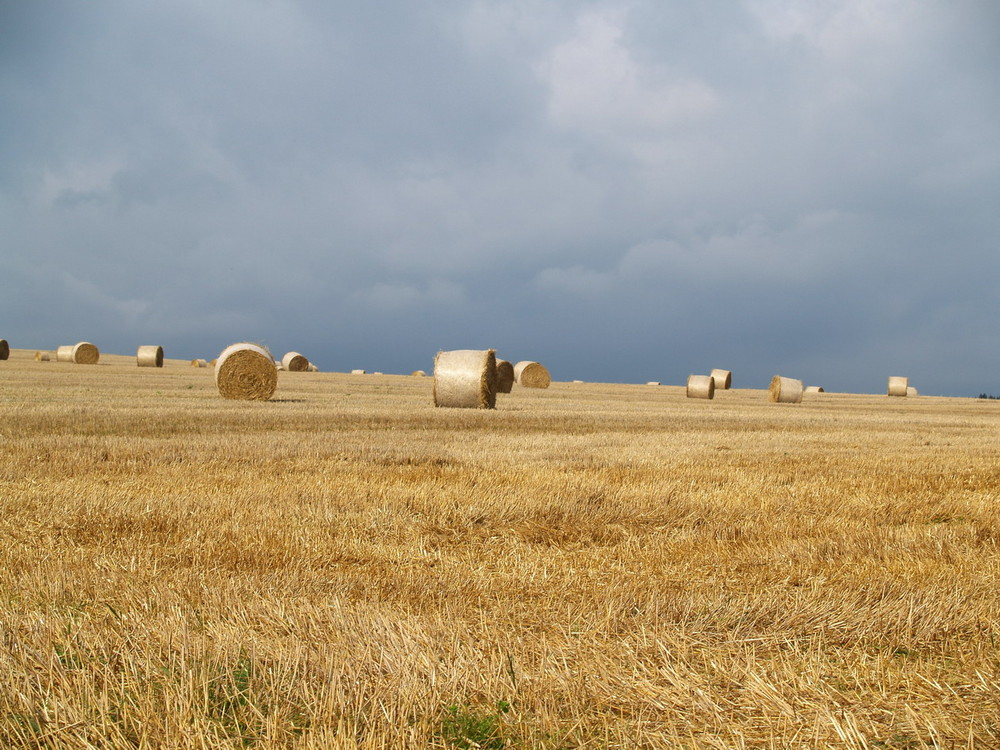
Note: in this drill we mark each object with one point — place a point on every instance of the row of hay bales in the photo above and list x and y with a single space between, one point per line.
472 378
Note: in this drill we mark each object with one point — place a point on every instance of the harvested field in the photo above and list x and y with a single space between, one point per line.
585 566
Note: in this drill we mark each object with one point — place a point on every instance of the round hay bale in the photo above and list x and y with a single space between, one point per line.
149 356
723 379
85 353
199 363
531 375
313 368
64 354
911 391
358 372
43 356
214 362
247 372
652 382
815 389
294 362
4 349
505 376
466 378
419 374
898 385
785 390
701 386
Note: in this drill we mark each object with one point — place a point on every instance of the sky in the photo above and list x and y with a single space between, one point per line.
623 190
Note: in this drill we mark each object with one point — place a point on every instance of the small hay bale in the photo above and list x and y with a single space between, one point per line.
911 391
418 374
43 356
531 375
815 389
85 353
64 354
652 382
785 390
313 368
214 362
199 363
577 381
4 349
359 372
898 385
701 386
149 356
723 379
466 378
505 376
246 372
294 362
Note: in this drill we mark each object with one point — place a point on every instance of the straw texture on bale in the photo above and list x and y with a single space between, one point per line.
294 362
701 386
85 353
149 356
505 376
466 378
247 372
785 390
911 391
64 354
43 356
815 389
4 349
199 363
531 375
898 385
723 379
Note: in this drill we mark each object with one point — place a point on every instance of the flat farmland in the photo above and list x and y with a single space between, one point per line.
587 566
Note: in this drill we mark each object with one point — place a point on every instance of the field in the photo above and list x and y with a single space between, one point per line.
588 566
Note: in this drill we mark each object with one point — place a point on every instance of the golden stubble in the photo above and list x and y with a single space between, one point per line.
586 566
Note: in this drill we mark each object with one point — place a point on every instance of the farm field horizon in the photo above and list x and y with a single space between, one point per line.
592 565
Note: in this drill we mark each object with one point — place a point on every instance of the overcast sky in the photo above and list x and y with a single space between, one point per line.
623 190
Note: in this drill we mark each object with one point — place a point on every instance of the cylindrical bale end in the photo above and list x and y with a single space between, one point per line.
466 378
246 371
701 386
505 376
85 353
149 356
815 389
294 362
4 349
529 374
723 379
785 390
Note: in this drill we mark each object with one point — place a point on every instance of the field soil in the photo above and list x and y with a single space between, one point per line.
586 566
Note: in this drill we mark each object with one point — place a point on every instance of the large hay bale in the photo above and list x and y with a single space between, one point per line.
64 354
199 363
911 391
466 378
4 349
294 362
785 390
85 353
247 372
149 356
898 385
505 376
723 379
43 356
815 389
701 386
531 375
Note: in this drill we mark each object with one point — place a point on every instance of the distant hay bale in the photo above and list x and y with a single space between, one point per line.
785 390
4 349
43 356
531 375
815 389
652 382
358 372
577 381
64 354
418 374
911 391
213 362
701 386
279 366
723 379
505 376
149 356
85 353
199 363
247 372
378 373
313 368
295 362
898 385
466 378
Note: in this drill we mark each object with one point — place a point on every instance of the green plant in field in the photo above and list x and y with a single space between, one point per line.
466 728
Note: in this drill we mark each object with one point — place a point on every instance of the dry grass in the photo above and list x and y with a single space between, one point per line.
590 566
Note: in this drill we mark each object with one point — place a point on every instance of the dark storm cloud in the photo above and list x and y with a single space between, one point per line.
627 191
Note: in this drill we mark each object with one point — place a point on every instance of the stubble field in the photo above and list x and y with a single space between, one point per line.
589 566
